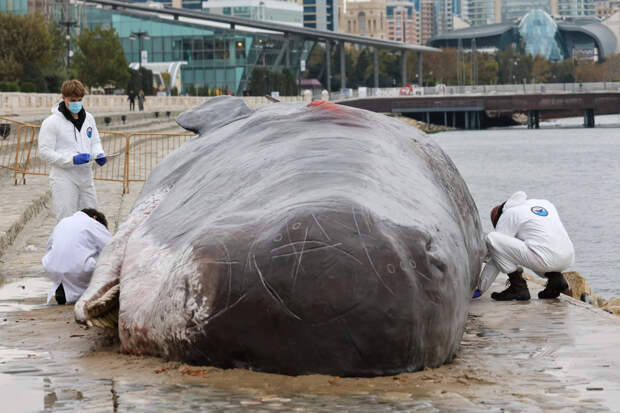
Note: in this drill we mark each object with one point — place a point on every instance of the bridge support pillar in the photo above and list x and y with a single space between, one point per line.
328 65
533 119
376 67
466 119
445 119
343 73
588 118
428 117
454 119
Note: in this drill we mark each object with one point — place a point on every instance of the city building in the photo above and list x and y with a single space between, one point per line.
613 23
266 10
403 22
605 9
363 18
513 10
538 33
573 8
481 12
321 14
444 20
426 20
211 50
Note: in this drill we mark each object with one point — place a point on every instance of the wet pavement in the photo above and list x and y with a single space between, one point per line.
540 355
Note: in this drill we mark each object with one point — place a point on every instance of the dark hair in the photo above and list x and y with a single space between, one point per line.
99 217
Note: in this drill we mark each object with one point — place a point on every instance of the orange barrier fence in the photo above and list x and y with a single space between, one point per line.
131 157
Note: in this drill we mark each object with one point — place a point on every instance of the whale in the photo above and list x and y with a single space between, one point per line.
294 238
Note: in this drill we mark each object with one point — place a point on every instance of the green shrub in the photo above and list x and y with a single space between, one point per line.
9 87
28 87
174 91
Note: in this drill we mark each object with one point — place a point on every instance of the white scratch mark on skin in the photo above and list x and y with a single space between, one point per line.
322 247
223 310
321 227
299 261
273 292
372 265
229 273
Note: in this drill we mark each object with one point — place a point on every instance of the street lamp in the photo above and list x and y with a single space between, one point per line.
139 36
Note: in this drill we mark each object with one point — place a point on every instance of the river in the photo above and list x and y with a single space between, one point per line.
577 169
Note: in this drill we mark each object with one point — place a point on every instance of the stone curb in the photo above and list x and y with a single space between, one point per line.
7 239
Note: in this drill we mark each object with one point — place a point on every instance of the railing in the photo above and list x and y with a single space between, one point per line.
131 157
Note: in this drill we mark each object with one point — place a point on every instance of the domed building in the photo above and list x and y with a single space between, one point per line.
537 33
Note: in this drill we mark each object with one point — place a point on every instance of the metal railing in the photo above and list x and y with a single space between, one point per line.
131 157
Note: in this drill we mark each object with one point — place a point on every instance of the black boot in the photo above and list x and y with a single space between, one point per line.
60 295
517 289
555 285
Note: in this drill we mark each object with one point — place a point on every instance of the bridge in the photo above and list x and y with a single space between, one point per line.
481 111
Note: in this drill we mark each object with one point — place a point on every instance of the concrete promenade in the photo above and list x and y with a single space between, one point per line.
541 355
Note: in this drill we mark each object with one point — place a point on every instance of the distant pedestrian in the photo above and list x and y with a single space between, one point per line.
528 233
69 141
131 97
72 252
141 100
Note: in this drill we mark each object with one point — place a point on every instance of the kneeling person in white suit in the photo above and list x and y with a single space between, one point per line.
528 233
72 252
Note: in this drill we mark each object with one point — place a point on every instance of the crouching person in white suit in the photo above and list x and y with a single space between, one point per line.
528 233
72 252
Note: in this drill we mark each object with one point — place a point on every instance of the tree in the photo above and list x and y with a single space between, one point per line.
589 72
99 59
140 80
541 70
612 68
27 48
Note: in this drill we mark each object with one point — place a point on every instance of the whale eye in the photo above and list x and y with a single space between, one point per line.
278 238
296 226
391 269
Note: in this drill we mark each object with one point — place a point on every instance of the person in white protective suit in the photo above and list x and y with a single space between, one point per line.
528 233
68 141
72 252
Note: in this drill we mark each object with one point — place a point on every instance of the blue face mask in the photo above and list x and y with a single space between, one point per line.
75 107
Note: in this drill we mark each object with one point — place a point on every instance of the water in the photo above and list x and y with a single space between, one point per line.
577 169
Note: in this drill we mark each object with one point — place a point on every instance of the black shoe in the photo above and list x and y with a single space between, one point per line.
556 283
60 295
517 289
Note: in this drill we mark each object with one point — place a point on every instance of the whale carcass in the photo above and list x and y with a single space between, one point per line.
295 239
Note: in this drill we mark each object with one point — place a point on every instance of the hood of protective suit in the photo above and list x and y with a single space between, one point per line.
516 199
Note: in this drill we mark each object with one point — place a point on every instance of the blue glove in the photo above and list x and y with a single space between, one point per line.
81 158
101 159
477 293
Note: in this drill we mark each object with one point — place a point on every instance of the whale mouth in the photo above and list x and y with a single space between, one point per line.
103 312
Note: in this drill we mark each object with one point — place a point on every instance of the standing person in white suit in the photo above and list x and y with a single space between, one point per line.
72 252
529 233
68 141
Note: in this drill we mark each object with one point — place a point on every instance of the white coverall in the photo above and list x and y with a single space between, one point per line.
72 185
72 252
529 234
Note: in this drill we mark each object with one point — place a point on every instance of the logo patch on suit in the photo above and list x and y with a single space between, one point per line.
540 211
89 132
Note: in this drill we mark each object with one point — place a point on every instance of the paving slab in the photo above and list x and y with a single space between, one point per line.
538 355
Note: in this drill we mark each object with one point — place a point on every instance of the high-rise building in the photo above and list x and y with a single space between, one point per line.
481 12
573 8
604 9
513 10
321 14
444 20
427 20
403 22
364 18
267 10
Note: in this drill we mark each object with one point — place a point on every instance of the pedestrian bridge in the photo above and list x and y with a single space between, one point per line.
483 110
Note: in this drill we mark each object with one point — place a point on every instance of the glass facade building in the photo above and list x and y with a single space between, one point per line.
541 35
217 57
